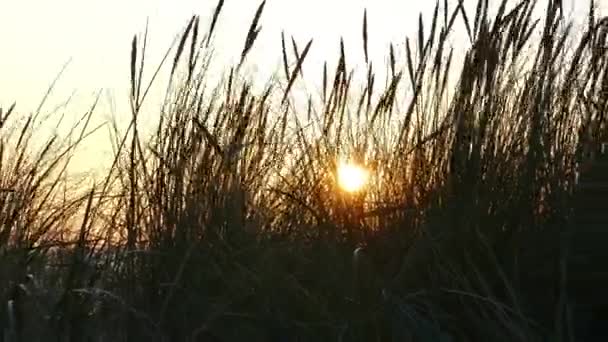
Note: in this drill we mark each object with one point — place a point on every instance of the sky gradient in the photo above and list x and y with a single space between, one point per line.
37 38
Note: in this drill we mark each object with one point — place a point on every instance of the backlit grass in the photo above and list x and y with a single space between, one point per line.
227 222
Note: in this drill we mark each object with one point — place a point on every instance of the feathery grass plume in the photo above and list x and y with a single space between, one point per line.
296 53
253 32
5 116
216 14
284 54
192 60
365 36
142 61
296 70
182 42
133 68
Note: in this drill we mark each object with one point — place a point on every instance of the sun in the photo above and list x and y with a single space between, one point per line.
352 177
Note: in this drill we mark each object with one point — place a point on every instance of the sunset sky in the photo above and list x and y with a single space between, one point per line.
37 37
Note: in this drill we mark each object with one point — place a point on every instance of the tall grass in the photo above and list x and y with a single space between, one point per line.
226 223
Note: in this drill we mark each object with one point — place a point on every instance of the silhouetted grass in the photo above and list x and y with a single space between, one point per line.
226 223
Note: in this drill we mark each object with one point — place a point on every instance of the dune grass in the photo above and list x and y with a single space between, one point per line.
226 224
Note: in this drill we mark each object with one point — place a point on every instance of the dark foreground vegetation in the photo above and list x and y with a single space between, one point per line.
226 223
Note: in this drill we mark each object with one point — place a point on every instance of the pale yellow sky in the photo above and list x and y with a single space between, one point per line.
38 36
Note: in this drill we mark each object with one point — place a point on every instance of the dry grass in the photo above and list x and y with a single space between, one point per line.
226 222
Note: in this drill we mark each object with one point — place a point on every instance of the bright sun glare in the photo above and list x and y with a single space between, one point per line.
352 177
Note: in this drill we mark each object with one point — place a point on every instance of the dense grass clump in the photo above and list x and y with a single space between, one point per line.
226 223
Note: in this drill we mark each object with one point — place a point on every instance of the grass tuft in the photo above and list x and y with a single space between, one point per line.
226 222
